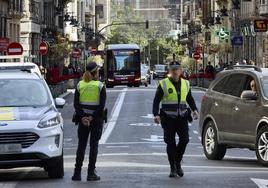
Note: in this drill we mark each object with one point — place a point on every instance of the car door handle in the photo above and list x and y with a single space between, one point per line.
235 108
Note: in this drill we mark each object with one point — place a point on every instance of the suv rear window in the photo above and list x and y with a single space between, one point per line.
231 85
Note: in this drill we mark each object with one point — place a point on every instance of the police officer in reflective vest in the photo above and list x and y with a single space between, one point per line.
174 94
89 104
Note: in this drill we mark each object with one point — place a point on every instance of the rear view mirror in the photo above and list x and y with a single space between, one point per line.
59 102
249 95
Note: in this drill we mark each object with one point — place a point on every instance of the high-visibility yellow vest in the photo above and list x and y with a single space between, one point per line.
89 95
170 102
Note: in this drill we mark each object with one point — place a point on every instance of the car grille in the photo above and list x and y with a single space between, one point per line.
26 139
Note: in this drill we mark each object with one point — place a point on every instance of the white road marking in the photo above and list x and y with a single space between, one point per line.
142 124
199 138
13 184
117 147
195 132
261 183
158 146
163 154
129 143
150 165
115 114
154 138
148 116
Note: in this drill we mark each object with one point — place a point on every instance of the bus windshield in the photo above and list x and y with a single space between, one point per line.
123 61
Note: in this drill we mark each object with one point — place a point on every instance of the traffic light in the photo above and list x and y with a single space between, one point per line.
147 24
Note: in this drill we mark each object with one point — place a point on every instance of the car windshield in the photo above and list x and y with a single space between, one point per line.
160 67
23 93
124 60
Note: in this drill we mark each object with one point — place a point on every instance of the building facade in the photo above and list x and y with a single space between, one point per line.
30 29
11 12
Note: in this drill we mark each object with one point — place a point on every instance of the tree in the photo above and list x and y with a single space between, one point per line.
156 35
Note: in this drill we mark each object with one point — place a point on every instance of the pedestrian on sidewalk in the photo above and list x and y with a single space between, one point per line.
174 93
89 104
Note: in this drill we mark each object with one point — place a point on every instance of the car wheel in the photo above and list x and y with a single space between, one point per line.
262 146
56 170
146 84
212 149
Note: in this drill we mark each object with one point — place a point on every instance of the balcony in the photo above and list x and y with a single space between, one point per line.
264 9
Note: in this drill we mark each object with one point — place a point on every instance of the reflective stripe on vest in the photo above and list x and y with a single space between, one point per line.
170 103
89 93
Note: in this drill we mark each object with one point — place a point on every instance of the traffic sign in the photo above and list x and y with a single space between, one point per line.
4 44
260 25
14 48
223 34
76 53
237 41
197 56
43 48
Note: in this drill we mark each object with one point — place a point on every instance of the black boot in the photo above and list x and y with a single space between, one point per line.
173 172
77 174
92 176
180 171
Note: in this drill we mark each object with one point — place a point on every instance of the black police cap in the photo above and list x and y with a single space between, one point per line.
174 65
92 67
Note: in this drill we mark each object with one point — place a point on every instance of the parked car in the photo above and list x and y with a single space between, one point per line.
234 113
31 127
160 71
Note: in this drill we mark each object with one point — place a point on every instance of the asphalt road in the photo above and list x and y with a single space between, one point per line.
132 153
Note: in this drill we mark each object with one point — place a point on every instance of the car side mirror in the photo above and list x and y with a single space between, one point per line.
249 95
59 102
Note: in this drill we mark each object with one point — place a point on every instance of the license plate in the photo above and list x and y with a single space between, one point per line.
10 148
124 82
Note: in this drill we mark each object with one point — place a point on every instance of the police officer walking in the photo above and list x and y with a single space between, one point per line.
89 104
174 93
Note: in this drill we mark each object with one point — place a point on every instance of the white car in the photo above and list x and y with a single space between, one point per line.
31 127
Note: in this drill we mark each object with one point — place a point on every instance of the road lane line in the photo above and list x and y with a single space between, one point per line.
68 145
13 184
227 157
150 165
117 147
114 116
195 132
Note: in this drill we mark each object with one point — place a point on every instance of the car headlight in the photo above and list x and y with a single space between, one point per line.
49 122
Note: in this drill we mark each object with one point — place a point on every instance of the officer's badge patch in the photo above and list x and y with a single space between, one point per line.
170 90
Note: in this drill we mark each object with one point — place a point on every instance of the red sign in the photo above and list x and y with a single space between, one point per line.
198 49
4 44
15 48
197 56
76 53
43 48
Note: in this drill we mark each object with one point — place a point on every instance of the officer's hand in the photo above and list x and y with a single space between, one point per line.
195 115
157 119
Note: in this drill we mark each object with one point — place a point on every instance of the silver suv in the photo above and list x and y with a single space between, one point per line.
234 113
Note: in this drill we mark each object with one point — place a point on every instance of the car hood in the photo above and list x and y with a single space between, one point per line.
25 113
